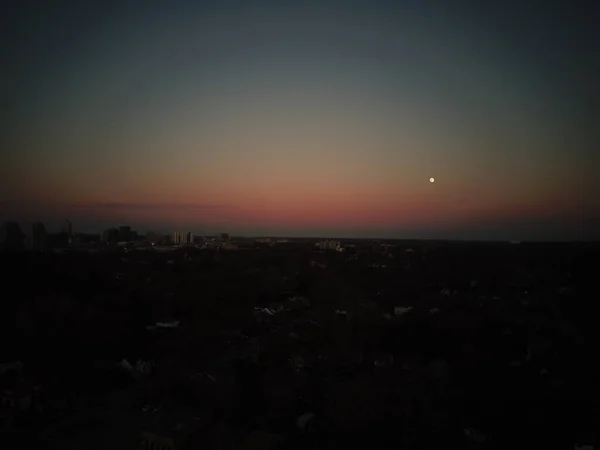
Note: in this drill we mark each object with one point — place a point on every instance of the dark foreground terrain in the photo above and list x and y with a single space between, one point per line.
403 345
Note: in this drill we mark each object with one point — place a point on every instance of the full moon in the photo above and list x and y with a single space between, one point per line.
432 180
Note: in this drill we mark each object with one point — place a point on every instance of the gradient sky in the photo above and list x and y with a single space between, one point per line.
303 118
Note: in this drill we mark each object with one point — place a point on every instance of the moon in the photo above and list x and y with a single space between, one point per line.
432 180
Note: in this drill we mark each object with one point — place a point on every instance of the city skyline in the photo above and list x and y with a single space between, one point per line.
53 229
291 119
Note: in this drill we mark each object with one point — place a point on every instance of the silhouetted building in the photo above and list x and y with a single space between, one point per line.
57 240
124 233
83 238
111 235
224 236
67 228
38 237
153 237
11 237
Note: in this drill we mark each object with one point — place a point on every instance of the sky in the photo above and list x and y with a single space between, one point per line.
303 118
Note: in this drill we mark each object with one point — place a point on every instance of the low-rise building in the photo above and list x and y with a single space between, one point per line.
328 244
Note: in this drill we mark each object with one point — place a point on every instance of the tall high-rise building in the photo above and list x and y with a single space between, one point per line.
67 227
183 238
124 233
37 239
11 237
177 237
111 235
